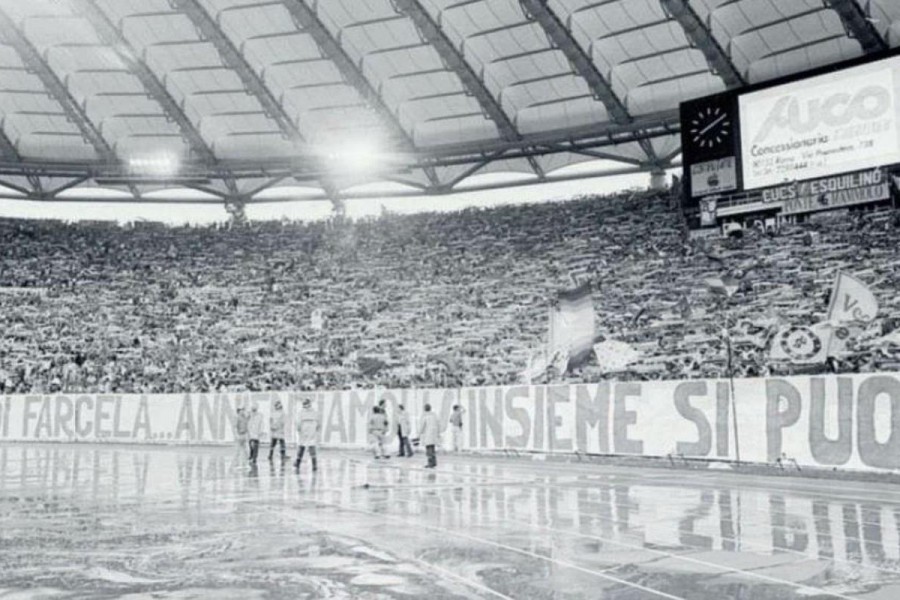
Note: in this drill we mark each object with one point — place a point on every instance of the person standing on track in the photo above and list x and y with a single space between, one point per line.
456 426
254 431
276 429
240 436
428 435
403 431
308 426
378 427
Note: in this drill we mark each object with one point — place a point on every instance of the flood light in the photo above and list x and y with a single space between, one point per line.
160 165
355 156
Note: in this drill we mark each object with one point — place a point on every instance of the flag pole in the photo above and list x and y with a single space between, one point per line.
833 300
737 439
730 366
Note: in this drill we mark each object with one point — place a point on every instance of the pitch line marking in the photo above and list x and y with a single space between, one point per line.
662 553
502 546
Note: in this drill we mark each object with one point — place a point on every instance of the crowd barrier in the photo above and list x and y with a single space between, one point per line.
846 421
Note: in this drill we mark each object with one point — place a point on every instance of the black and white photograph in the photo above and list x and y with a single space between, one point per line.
449 299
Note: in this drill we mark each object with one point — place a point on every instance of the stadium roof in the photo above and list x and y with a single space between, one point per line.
237 96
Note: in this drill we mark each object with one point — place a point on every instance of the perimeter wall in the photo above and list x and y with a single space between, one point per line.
850 421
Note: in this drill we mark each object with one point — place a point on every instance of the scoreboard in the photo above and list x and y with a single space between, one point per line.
794 136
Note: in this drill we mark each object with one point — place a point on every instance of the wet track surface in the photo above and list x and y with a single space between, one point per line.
79 521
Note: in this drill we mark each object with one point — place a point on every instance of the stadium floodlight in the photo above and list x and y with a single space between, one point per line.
157 165
358 156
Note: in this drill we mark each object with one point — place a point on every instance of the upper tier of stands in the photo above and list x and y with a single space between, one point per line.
440 299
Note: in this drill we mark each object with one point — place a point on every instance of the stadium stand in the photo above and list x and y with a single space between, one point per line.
422 300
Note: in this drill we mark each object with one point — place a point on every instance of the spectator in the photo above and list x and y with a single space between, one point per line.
428 435
276 430
403 432
456 426
378 427
308 425
426 300
254 431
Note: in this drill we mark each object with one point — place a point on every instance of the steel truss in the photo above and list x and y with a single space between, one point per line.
25 178
858 25
431 31
701 36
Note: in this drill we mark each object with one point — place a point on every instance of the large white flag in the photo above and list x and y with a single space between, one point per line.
572 327
851 300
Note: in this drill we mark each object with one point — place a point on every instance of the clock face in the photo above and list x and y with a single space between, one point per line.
710 127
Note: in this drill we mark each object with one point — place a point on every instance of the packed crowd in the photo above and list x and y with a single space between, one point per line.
414 301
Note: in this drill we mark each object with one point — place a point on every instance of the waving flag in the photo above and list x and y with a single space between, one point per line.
726 286
851 300
572 327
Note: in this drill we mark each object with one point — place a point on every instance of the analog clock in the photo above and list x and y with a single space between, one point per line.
709 127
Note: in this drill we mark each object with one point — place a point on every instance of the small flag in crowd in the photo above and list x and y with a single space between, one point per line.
684 309
725 286
317 319
613 355
537 366
446 359
369 365
851 300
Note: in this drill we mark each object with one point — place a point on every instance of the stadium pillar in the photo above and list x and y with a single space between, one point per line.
236 207
658 180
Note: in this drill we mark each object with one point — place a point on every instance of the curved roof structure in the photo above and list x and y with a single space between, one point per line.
243 95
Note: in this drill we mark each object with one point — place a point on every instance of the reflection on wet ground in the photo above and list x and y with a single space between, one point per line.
80 521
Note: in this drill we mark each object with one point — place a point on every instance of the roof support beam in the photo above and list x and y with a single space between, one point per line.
252 81
858 25
114 38
33 59
561 37
579 59
700 35
232 57
7 147
25 191
432 33
305 17
453 58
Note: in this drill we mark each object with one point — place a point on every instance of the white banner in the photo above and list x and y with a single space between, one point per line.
834 123
850 421
829 193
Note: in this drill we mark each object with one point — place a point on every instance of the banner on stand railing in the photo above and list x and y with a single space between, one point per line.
850 421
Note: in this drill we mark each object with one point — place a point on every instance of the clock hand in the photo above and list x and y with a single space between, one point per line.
713 124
